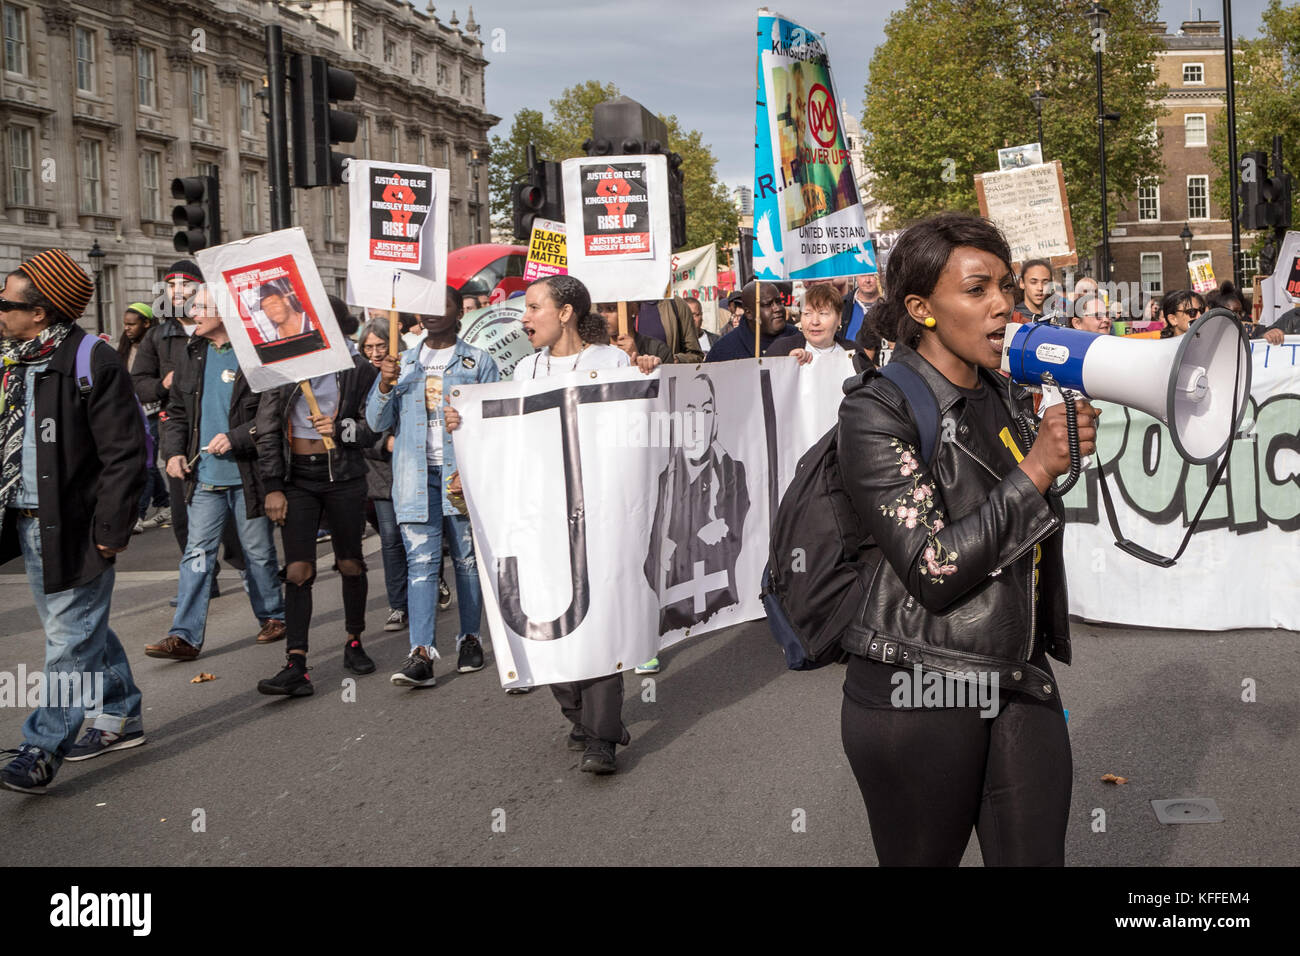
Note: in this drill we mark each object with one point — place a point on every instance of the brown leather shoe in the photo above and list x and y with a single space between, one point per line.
271 632
172 648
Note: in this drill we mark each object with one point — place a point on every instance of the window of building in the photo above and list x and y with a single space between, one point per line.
1193 74
146 77
1194 129
1149 201
15 22
108 288
392 143
247 107
1153 273
199 93
92 193
419 149
360 38
150 190
21 192
207 169
464 85
252 197
390 52
444 76
85 53
327 210
363 135
1198 197
1153 135
1249 267
417 64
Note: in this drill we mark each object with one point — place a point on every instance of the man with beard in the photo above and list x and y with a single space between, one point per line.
699 518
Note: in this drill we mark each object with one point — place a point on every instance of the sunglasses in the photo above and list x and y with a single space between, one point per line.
1191 313
7 306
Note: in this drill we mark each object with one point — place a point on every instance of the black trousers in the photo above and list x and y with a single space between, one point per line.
595 707
234 551
929 776
310 494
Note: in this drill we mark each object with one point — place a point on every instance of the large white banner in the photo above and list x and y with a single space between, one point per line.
275 309
397 236
1239 569
616 513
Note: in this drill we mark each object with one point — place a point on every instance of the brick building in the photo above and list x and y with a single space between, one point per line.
1145 243
103 102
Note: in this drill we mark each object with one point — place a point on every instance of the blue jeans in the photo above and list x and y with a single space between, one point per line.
424 565
394 552
209 510
78 640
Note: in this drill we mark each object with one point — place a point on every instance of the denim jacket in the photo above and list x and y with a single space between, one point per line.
402 410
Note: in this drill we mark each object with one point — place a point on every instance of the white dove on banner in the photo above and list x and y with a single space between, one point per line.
769 259
864 256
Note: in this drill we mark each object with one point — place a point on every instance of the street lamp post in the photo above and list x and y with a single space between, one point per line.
1038 98
1186 237
97 267
477 158
1097 16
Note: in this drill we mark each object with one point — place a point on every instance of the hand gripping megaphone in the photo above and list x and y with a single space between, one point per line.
1196 384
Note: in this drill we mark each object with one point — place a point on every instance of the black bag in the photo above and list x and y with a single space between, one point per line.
812 588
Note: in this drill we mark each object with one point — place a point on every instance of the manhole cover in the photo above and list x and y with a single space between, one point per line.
1187 810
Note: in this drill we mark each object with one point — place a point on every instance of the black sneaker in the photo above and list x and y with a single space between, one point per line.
444 595
417 671
292 681
95 742
471 656
29 771
577 741
598 757
355 658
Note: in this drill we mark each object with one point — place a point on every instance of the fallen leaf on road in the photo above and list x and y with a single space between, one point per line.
1111 778
203 677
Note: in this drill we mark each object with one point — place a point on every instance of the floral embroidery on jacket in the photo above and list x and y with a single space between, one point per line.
916 507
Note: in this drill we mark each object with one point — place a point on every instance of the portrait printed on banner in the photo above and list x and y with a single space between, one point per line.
276 310
699 519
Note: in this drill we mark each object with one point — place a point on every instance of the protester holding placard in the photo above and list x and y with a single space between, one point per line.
304 480
739 342
559 322
408 399
818 331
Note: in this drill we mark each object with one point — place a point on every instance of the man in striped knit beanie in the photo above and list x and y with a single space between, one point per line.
72 465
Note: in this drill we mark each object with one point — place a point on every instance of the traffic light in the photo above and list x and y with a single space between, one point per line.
1254 169
624 127
315 124
199 215
541 196
1276 194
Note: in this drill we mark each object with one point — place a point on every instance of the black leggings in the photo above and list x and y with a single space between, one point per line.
929 776
310 494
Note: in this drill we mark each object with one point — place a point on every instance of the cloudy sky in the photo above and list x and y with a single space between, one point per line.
695 59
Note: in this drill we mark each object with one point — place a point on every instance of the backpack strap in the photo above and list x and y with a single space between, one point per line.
85 379
921 400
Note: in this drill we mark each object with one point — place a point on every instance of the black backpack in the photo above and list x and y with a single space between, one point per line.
812 586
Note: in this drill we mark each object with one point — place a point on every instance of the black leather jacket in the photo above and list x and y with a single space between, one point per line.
955 592
351 433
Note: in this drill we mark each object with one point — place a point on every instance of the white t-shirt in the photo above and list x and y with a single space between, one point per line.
435 362
815 351
541 364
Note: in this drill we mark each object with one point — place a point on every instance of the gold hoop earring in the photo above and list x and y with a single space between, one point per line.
930 322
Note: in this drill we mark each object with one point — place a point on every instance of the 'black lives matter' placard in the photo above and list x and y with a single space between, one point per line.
616 210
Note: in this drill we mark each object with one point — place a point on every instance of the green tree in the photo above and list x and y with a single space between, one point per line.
950 86
1268 102
710 216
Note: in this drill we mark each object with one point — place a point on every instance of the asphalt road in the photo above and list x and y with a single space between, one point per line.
727 748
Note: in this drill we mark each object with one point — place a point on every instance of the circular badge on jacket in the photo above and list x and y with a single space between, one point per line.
227 375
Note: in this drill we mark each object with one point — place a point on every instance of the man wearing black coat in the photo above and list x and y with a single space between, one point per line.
209 446
72 466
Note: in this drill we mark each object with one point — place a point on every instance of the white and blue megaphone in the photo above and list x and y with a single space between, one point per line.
1196 383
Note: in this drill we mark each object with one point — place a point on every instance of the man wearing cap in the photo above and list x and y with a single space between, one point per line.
162 350
72 464
208 444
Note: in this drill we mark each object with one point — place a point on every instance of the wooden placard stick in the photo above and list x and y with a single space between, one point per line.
622 319
394 323
308 394
757 317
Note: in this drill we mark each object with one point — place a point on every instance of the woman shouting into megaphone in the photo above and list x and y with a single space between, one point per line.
952 719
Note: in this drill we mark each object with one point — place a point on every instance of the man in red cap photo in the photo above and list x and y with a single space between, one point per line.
72 465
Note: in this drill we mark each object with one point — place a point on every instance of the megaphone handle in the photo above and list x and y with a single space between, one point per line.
1072 430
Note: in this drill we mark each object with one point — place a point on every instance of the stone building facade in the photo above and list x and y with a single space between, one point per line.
104 102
